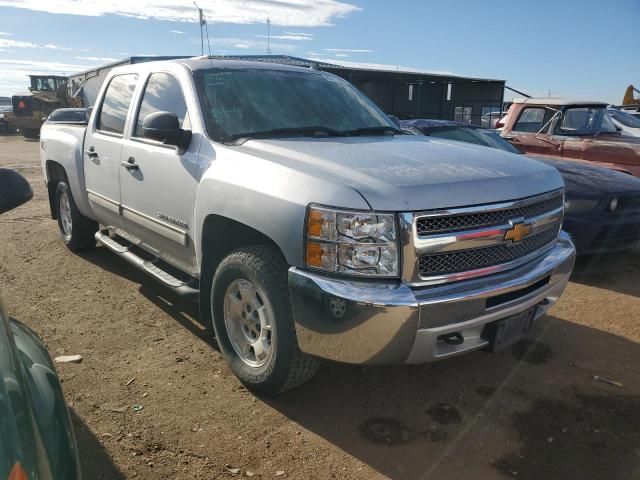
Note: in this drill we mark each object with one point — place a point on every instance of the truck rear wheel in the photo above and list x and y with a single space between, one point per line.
253 321
78 231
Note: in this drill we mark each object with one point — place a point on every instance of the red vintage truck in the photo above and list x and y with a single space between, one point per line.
573 130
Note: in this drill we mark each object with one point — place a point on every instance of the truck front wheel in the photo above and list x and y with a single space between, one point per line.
77 230
253 321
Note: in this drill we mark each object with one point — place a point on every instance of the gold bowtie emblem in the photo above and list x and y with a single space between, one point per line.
518 232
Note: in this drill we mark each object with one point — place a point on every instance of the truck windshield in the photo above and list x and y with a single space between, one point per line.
585 121
624 118
275 103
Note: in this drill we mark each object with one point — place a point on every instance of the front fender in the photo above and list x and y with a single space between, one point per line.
268 197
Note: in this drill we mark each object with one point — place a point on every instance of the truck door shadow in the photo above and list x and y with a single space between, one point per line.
534 411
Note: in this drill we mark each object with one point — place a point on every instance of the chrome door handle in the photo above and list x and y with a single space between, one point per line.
91 153
130 164
512 139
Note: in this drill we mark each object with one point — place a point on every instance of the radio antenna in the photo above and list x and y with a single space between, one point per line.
202 20
268 36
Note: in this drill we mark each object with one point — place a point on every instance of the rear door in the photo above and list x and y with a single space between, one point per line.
524 133
158 195
103 149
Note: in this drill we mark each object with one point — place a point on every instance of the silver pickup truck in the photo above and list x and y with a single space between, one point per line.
303 221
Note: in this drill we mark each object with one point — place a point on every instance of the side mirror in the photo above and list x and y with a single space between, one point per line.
14 190
165 127
618 128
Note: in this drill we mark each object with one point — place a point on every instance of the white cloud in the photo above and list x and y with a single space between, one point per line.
310 35
177 32
341 55
98 59
5 33
257 46
301 13
14 73
287 37
348 50
5 42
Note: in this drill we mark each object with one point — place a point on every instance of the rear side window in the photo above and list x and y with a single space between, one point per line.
531 120
113 113
162 94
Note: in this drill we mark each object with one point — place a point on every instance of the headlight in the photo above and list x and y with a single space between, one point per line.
613 204
356 243
579 205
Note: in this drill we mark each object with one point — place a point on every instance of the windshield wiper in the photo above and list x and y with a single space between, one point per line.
287 132
373 130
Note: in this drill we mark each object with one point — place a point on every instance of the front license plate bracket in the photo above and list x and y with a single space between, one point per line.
503 333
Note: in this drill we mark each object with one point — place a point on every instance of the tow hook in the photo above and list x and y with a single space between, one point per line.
454 338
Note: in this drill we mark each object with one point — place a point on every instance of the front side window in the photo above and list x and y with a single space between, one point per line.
531 120
585 121
115 105
162 94
247 101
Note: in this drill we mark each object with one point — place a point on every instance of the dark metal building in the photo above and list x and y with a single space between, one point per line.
404 93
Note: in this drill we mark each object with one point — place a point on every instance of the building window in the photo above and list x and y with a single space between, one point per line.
490 116
463 114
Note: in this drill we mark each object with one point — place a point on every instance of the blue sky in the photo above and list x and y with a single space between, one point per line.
580 48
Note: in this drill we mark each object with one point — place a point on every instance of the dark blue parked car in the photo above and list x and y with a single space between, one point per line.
602 206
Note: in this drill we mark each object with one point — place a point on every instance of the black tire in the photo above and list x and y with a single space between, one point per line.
82 229
30 133
286 367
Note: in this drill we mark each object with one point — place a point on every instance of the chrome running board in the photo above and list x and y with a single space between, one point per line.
149 267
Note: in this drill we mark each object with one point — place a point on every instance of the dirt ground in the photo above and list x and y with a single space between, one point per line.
532 412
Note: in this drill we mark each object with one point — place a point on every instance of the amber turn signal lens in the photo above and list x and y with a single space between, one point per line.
314 254
314 225
17 472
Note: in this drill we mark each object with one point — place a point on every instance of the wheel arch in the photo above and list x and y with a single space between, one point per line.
55 174
220 236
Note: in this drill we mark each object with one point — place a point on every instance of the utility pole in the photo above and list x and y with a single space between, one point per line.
268 36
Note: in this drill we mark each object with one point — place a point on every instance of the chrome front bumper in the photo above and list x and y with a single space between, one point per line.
383 322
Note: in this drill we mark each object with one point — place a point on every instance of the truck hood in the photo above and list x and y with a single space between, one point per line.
408 172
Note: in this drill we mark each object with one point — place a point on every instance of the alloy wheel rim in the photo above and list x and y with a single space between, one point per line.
65 216
248 318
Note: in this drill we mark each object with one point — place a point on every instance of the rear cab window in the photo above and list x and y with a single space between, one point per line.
115 106
531 120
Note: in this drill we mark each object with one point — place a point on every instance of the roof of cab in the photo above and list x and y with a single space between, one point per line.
206 63
557 101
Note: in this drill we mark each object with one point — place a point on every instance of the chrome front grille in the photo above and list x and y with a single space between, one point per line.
428 225
455 244
469 260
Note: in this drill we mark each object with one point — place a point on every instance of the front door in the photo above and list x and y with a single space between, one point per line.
159 181
530 133
103 149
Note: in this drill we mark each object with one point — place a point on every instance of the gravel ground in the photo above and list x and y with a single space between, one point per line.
532 412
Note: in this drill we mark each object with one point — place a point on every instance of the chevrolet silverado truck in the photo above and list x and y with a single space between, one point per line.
574 130
303 221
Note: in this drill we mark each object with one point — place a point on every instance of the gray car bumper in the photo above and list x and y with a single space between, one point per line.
387 322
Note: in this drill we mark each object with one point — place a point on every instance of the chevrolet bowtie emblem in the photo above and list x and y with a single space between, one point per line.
518 232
